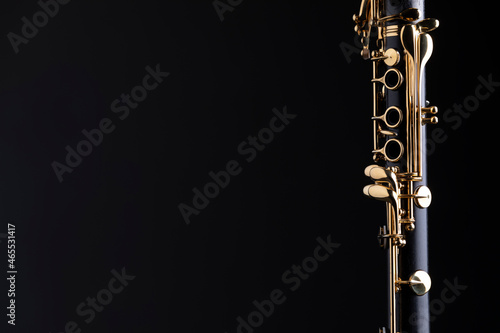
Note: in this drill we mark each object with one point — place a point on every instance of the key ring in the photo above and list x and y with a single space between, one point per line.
386 117
384 79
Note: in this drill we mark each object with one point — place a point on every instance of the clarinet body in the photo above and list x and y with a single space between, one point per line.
396 40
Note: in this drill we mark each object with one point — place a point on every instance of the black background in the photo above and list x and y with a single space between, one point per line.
119 207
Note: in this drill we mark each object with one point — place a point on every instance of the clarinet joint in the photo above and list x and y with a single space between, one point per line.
400 112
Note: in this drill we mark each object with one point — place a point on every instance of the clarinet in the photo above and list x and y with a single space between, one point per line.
399 50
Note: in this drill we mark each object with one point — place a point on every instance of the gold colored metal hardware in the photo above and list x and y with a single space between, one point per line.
419 282
427 25
386 132
393 287
392 57
410 14
422 192
388 156
380 174
390 31
385 235
390 193
430 109
432 120
368 16
408 39
382 193
390 85
397 132
423 196
425 47
387 114
376 98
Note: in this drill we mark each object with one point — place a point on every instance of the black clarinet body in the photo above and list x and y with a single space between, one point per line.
396 40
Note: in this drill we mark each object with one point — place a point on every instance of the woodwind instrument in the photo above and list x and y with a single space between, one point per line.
395 38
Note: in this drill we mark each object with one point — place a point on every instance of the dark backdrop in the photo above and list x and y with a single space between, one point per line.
118 212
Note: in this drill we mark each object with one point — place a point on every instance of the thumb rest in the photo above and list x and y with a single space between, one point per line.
400 114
